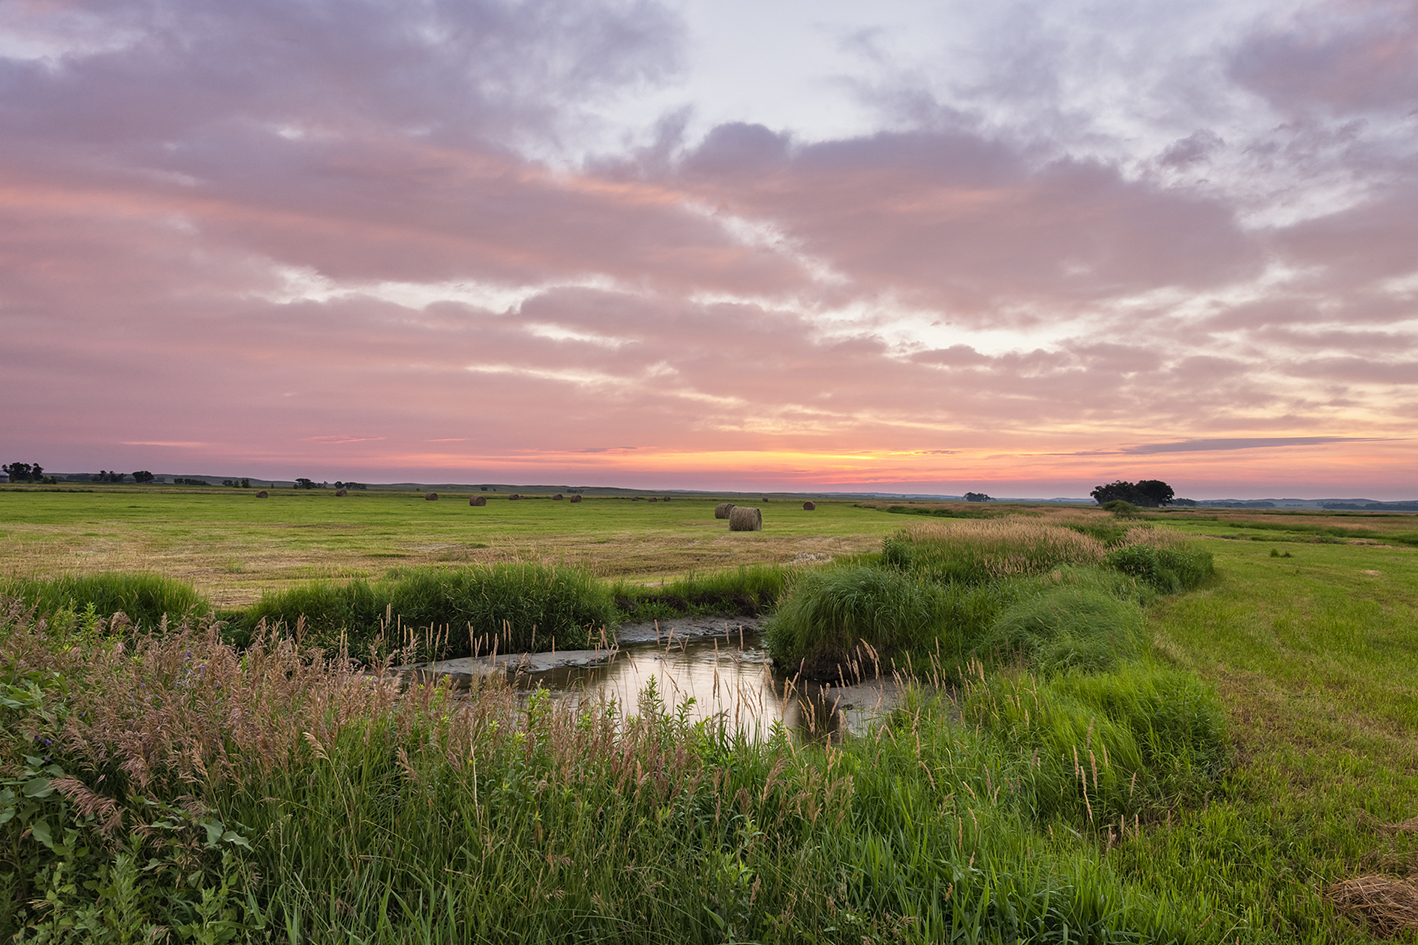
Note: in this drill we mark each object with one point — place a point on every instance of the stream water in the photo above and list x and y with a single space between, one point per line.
703 672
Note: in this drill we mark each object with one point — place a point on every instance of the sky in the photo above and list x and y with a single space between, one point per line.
1014 247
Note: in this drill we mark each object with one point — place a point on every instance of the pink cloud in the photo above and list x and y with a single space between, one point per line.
302 253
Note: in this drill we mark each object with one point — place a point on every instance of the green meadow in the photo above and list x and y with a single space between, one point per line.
1184 726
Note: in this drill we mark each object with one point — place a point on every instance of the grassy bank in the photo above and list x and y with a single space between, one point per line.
1010 589
268 797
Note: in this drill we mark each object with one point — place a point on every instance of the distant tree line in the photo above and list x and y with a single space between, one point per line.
26 472
1149 493
361 485
977 497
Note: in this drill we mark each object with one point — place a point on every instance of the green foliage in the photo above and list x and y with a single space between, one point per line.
1096 750
828 613
1149 492
1070 626
1169 570
69 855
145 599
446 612
1122 508
744 591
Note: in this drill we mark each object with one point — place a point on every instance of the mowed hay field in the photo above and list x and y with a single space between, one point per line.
232 546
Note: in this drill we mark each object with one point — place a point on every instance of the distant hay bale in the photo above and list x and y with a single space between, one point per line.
576 498
743 518
341 493
667 498
654 499
809 506
513 497
635 498
478 500
558 497
263 494
765 498
431 497
723 509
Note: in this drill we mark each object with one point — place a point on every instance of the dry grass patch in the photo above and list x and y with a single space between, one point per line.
1387 906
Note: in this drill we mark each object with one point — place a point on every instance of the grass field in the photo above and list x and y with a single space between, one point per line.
233 546
963 819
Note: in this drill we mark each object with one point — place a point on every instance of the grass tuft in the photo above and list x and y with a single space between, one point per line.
445 612
145 599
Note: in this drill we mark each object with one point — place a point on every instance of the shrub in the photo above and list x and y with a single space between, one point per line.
1122 508
145 599
447 612
1169 570
1069 626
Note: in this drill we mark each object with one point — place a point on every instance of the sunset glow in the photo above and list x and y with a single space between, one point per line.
932 248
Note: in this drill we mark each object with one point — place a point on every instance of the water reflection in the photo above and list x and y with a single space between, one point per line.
727 677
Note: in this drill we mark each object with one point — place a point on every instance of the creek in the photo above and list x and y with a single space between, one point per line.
701 668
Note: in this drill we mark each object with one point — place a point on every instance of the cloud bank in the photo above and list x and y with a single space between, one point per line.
390 241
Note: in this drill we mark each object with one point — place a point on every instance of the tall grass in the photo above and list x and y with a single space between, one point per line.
974 552
448 612
272 796
1103 751
1068 626
145 599
829 614
1168 569
745 591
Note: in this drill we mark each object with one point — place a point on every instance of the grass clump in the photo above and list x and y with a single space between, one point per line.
1075 626
145 599
849 615
446 612
745 591
829 614
1169 570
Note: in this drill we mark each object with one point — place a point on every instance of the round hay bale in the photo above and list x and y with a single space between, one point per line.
765 499
558 497
635 498
667 498
341 493
654 499
744 518
723 509
263 494
576 498
431 497
478 500
809 506
513 497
